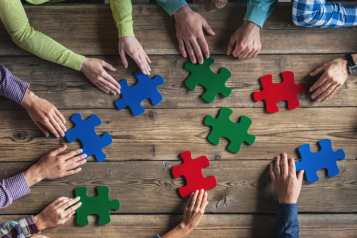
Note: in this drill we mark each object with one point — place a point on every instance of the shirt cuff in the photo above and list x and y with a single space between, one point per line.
12 87
126 29
287 211
171 6
256 16
75 61
17 186
29 226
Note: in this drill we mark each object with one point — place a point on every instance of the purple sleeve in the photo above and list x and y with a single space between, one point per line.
26 227
12 188
11 86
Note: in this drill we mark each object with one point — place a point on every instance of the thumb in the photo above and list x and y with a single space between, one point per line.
300 176
317 71
207 28
123 59
230 47
108 66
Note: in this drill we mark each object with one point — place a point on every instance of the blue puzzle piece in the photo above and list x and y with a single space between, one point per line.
145 88
326 158
85 132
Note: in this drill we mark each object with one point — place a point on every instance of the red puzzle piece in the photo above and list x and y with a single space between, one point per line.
286 90
191 169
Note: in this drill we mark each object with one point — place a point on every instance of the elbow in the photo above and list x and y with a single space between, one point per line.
305 20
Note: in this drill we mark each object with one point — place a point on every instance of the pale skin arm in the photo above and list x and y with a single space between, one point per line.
190 27
245 42
53 166
333 76
287 185
192 215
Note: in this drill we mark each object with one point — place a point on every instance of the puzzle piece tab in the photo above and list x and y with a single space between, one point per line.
99 205
222 126
326 158
133 96
273 93
191 169
203 75
85 132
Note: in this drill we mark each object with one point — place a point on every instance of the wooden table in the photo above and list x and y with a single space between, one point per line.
138 167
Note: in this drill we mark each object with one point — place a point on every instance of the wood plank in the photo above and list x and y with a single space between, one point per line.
163 134
331 225
67 88
242 187
97 35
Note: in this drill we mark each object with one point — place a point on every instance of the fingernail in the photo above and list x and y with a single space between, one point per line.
207 202
80 150
73 213
202 190
85 156
319 100
196 191
80 169
65 122
80 204
114 93
192 193
77 198
57 136
65 129
63 135
312 97
206 193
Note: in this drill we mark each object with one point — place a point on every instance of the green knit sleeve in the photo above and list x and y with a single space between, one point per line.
17 24
122 10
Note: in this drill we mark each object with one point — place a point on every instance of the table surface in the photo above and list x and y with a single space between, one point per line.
138 167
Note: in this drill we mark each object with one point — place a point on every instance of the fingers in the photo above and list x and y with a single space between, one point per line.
271 170
108 86
182 48
147 58
207 28
284 165
327 92
59 114
68 203
204 45
61 202
292 169
199 200
56 126
60 124
190 51
204 202
71 154
231 45
110 82
244 54
237 50
76 162
333 92
143 64
319 82
102 87
193 201
197 50
58 201
42 128
189 200
277 167
108 66
123 59
71 209
300 176
317 71
48 124
58 150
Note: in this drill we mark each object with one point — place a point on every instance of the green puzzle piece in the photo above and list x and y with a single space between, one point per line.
203 75
99 205
222 126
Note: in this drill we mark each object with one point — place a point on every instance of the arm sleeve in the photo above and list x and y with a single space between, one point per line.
12 87
171 6
122 14
157 236
287 224
15 20
25 227
322 14
259 10
12 188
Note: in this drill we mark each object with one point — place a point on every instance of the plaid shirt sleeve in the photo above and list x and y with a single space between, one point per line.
19 229
12 87
13 188
322 14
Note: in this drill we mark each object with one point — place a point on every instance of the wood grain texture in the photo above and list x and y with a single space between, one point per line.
97 35
163 134
220 226
148 187
68 89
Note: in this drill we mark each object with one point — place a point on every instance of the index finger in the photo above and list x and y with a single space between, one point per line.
284 165
319 82
199 199
197 50
292 169
71 154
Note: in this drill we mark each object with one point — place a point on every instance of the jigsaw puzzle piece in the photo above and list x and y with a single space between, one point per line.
236 144
124 87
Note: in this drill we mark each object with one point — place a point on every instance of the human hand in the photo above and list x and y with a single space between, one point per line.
130 45
94 70
334 75
189 32
52 166
39 236
287 185
44 115
57 213
192 215
245 42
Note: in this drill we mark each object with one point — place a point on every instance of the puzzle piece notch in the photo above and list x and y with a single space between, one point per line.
99 205
236 133
326 158
212 82
146 88
84 131
273 93
191 169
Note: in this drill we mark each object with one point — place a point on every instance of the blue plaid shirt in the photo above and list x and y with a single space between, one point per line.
322 14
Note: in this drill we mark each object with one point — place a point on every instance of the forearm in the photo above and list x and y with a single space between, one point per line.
171 6
287 224
322 14
25 227
122 14
15 20
259 10
13 188
178 232
11 86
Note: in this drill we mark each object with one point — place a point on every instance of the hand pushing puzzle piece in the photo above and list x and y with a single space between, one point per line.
326 158
85 132
273 93
99 205
133 96
237 133
191 169
203 75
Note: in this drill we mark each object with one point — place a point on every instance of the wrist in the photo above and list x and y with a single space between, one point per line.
84 62
28 100
32 175
250 25
182 11
183 230
39 222
287 201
